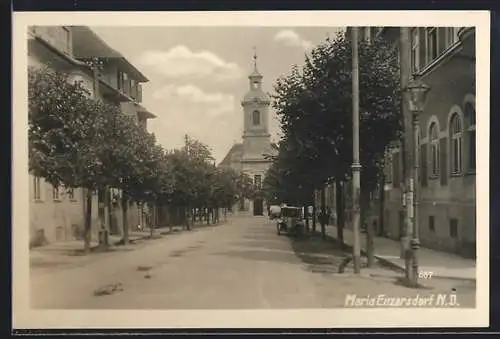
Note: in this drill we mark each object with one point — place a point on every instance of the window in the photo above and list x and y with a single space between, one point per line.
257 179
132 88
415 51
434 154
470 116
256 117
255 84
119 79
432 227
71 194
453 227
55 192
432 44
456 144
37 188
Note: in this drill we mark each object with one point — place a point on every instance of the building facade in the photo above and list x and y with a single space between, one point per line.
57 214
444 58
250 156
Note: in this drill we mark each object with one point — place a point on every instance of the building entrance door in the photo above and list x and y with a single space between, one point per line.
258 207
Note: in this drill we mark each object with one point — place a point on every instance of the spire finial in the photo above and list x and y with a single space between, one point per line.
255 57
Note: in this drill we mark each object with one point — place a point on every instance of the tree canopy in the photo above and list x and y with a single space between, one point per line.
314 106
76 141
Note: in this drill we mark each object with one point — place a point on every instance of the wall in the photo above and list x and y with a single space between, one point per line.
58 36
61 219
449 196
248 125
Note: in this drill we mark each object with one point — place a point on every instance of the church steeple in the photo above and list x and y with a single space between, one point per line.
255 77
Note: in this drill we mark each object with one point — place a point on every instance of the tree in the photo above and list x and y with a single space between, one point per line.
315 110
68 135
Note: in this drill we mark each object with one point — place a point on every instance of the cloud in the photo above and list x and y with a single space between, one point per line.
181 62
209 117
194 101
292 39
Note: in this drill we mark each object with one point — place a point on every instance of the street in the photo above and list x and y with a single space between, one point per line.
241 264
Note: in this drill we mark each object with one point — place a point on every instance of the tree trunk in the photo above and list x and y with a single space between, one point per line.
365 209
88 221
209 211
315 212
125 218
323 212
339 195
306 216
150 220
381 216
187 218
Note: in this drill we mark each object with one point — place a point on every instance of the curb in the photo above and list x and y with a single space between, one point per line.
399 268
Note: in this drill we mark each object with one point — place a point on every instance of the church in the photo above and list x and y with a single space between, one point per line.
249 156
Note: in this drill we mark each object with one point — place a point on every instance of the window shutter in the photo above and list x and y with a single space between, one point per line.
395 169
139 92
423 165
443 155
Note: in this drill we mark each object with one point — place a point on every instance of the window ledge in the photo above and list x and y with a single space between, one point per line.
56 200
73 200
470 172
455 175
431 65
38 201
434 177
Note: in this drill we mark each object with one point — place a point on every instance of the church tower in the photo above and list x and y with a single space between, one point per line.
256 137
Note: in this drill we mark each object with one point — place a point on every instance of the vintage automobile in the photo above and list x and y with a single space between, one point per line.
290 220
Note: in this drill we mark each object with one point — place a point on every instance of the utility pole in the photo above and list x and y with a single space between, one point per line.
356 166
405 70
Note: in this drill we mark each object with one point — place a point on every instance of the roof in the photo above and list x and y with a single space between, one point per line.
236 148
258 94
87 44
255 74
144 112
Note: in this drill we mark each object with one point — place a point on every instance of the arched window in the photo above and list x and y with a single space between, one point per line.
456 134
434 153
470 116
256 117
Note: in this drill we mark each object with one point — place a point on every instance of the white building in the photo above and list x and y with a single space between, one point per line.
249 156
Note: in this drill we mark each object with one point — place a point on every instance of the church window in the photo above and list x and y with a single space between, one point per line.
257 180
255 84
256 117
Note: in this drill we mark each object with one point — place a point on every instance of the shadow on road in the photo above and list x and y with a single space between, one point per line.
318 255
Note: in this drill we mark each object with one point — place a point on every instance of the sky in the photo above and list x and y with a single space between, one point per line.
198 75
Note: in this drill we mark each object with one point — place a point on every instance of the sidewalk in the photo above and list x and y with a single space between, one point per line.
440 264
70 252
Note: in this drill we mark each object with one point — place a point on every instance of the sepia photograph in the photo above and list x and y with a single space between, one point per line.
230 170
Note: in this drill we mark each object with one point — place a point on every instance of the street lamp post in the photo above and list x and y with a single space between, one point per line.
417 93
